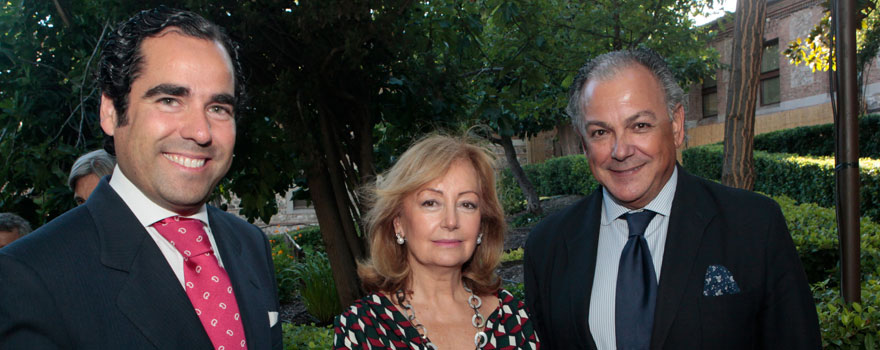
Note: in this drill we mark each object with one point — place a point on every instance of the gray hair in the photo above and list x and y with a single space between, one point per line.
10 221
97 162
606 65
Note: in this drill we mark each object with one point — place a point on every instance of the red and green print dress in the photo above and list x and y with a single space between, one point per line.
375 323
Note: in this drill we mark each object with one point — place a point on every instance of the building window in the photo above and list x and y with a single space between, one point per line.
710 98
770 73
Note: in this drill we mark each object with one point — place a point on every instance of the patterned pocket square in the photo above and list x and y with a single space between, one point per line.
719 281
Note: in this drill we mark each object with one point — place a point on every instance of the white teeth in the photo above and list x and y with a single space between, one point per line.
187 162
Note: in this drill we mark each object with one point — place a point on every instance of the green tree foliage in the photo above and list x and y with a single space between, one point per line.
337 89
48 99
530 51
816 49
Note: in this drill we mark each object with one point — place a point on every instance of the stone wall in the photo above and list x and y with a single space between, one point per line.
292 214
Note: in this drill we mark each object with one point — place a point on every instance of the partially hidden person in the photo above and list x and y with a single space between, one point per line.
87 171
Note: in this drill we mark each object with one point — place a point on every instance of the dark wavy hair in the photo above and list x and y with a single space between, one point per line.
122 59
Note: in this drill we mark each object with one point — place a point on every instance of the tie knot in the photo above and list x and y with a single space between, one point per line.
638 222
187 235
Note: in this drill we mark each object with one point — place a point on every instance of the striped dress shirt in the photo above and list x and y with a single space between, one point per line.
613 234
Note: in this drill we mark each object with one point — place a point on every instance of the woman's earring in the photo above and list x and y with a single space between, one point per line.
400 239
480 238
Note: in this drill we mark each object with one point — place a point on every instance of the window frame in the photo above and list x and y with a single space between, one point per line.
770 74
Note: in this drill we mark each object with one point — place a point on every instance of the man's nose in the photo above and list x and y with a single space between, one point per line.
196 127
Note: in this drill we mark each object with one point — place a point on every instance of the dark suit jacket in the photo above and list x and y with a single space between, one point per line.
709 224
94 279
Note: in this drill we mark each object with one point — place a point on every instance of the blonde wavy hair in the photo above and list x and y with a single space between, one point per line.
426 160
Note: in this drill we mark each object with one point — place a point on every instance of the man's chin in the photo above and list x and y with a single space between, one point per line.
184 202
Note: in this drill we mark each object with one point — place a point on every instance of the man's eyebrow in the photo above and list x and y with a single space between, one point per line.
223 98
167 89
644 113
598 123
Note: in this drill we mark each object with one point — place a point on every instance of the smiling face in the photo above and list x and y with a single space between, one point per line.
441 220
180 132
630 140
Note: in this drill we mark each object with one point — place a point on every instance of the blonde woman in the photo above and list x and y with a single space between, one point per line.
436 231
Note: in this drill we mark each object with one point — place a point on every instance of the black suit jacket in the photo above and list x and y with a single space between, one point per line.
93 279
709 224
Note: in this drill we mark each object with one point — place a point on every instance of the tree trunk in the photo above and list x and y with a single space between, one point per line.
533 204
739 127
342 261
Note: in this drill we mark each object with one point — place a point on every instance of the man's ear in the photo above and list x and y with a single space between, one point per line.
108 115
678 125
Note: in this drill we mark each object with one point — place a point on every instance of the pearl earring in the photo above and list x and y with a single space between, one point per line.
400 239
480 238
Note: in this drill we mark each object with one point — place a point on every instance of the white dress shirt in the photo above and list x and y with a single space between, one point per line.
613 234
148 213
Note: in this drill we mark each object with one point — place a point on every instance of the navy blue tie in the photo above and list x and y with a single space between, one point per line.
636 287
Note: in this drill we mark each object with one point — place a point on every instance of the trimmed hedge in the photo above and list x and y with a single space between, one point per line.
814 232
818 140
853 326
805 179
562 175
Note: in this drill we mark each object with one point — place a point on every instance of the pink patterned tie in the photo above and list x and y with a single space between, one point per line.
207 284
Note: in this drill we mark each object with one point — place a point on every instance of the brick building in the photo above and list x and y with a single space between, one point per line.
788 96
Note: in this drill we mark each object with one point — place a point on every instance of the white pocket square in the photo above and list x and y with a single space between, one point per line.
273 318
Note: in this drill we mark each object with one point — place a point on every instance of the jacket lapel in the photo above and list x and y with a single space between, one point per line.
583 244
685 232
253 315
151 297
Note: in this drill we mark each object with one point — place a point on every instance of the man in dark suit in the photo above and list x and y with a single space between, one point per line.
657 258
145 264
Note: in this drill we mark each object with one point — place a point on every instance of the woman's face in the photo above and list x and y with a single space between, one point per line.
441 220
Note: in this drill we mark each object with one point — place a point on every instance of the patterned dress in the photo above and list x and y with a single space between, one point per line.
375 323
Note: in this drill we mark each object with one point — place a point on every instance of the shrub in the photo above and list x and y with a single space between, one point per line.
818 140
314 280
805 179
308 236
562 175
814 232
855 326
517 289
513 255
298 337
284 260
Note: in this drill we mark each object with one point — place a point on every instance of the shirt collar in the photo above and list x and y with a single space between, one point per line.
146 211
662 204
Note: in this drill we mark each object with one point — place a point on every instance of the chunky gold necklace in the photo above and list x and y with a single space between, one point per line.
478 321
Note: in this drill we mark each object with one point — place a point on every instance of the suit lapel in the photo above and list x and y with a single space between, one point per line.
685 232
583 244
151 297
253 315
